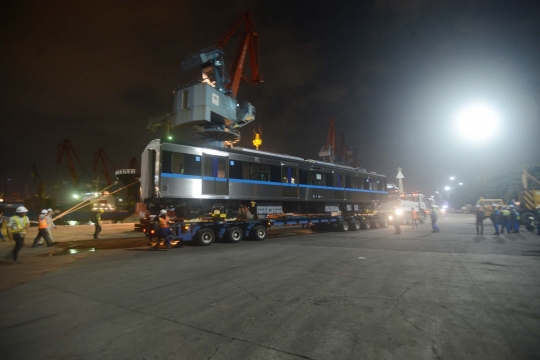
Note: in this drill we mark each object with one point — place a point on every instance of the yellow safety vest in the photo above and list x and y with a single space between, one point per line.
21 227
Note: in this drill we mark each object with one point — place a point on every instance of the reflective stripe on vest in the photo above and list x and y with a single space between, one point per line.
20 227
43 223
163 223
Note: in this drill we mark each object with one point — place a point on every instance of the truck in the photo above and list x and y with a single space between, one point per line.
406 202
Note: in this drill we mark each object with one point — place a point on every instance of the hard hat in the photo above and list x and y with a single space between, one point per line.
101 210
49 210
21 209
44 211
163 212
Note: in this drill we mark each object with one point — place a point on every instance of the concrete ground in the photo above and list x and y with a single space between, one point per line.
355 295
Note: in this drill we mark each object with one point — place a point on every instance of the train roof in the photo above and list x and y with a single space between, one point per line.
252 151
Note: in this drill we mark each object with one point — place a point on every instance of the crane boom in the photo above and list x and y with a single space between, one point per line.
101 156
67 149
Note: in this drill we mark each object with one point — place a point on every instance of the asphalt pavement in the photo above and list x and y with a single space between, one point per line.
355 295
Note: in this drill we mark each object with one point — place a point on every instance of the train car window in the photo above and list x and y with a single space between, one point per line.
221 168
367 184
192 165
275 173
235 169
316 178
177 163
339 180
254 171
303 177
329 181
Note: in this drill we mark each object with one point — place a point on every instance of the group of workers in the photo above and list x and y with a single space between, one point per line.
503 218
18 224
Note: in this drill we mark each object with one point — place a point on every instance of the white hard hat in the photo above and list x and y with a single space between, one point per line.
163 212
49 209
21 209
44 211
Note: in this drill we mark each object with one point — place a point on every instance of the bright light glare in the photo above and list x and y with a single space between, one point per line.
478 122
460 183
452 178
447 188
75 196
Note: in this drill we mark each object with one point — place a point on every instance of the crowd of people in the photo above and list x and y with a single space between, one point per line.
502 217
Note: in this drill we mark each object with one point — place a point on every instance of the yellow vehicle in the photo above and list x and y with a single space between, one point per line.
488 205
529 198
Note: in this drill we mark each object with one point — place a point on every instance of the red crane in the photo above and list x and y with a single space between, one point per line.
68 150
101 156
328 151
249 43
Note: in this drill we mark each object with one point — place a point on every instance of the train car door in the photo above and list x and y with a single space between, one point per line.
289 180
339 186
215 179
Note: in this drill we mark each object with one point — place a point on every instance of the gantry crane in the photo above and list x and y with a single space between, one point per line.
68 150
210 106
100 156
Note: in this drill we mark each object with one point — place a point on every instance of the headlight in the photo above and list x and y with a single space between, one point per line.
399 212
390 217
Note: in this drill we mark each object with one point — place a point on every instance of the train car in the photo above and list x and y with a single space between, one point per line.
204 180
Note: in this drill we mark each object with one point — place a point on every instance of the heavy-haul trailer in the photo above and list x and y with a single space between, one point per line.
206 232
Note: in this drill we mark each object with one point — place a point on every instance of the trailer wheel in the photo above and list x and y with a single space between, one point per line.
525 216
366 224
343 226
205 237
354 225
384 222
235 234
259 233
375 224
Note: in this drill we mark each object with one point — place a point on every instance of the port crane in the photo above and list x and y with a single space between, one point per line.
100 156
66 149
209 106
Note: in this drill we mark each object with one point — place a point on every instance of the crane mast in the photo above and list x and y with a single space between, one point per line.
209 107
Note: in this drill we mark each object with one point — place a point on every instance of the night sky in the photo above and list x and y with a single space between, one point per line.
393 74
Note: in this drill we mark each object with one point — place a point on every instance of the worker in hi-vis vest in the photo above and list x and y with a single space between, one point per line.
164 229
17 230
97 223
43 232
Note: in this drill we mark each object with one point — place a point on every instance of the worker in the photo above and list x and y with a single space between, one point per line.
165 229
505 219
434 220
16 230
50 223
97 223
494 217
398 219
43 224
414 218
480 215
514 219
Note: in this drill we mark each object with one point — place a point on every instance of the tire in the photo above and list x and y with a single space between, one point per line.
384 222
366 224
525 216
235 235
259 233
343 226
205 237
375 224
354 225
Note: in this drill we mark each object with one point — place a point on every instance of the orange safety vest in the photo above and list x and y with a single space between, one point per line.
414 214
43 223
164 223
